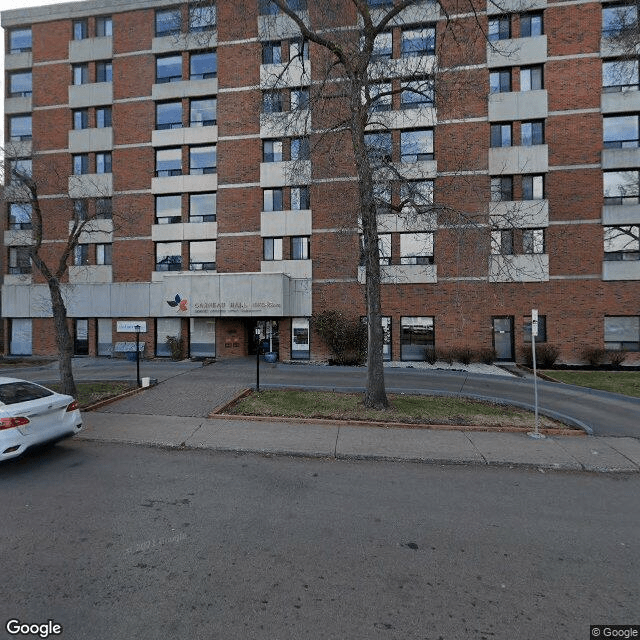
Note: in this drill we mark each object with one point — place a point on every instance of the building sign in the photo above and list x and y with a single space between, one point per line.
239 306
129 326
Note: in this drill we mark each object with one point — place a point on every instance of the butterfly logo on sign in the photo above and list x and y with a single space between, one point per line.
178 302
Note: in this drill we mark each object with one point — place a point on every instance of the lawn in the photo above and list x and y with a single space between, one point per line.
625 382
91 392
418 410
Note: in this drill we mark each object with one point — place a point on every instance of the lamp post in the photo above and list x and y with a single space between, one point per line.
258 359
137 328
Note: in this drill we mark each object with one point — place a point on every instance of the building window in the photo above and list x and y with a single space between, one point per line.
103 117
20 84
20 40
379 147
169 69
19 260
501 135
533 241
168 209
300 248
268 8
416 146
299 99
202 17
202 160
382 197
202 207
531 78
532 133
272 249
169 115
80 29
620 132
418 42
300 148
81 255
416 94
80 164
384 249
104 27
298 49
622 333
622 243
202 255
80 210
168 256
621 187
379 3
531 24
417 338
203 66
20 169
272 151
272 200
300 339
103 162
80 73
532 187
416 248
416 197
382 46
80 119
168 22
20 215
203 112
542 329
380 95
619 20
272 102
500 81
271 53
104 253
169 162
20 128
619 75
104 209
300 198
502 242
104 71
499 28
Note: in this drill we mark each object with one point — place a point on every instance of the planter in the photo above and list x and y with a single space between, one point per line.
271 356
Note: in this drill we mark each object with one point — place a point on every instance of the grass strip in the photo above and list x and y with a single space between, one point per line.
624 382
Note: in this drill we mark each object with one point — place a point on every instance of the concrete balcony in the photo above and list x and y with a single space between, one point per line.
22 104
300 269
184 231
95 231
184 89
517 51
519 268
13 61
285 123
423 118
518 105
92 273
407 67
185 183
621 270
294 73
18 148
280 27
86 140
279 174
18 238
404 274
90 49
184 135
285 223
614 215
424 170
620 101
185 41
511 160
621 158
514 6
519 214
93 94
400 222
91 185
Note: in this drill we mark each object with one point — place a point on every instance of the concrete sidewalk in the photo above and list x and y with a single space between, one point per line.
328 440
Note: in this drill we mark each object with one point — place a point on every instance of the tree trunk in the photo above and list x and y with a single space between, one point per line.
63 338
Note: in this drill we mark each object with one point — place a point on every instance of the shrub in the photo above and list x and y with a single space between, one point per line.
487 356
465 355
617 357
176 345
430 355
546 355
345 336
593 355
446 355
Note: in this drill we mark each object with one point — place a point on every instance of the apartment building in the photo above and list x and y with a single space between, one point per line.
223 204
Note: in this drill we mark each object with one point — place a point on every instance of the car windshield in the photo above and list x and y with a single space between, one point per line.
14 392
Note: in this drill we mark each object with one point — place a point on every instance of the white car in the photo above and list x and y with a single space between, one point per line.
31 414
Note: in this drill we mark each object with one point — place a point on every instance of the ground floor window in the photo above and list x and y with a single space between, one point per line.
166 327
300 339
202 343
105 337
622 333
417 337
21 341
542 329
386 336
81 337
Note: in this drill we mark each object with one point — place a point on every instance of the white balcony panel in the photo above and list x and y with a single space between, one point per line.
620 101
400 222
295 73
18 237
417 13
85 140
95 231
92 273
621 214
13 61
621 158
621 270
425 170
280 27
517 51
17 279
184 231
184 135
518 105
90 49
184 89
403 119
404 274
181 184
510 160
91 185
185 41
18 149
18 105
514 6
519 268
614 47
402 67
291 268
519 214
279 174
90 95
285 223
286 123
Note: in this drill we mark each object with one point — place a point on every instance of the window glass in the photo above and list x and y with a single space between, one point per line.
416 338
202 207
618 19
80 74
272 200
168 209
621 187
298 48
169 68
203 65
382 197
532 133
272 248
202 160
300 248
384 248
500 81
542 329
380 96
300 339
300 149
15 392
622 242
531 25
620 132
418 41
203 112
20 169
20 215
416 196
103 117
271 53
272 102
502 242
20 84
81 255
104 253
533 241
500 135
379 146
272 151
80 118
416 146
202 255
622 333
80 164
382 46
168 256
20 40
202 17
619 75
104 71
169 115
80 29
103 162
416 248
80 209
531 78
300 198
104 27
169 162
168 22
299 99
416 93
19 260
499 28
532 187
104 208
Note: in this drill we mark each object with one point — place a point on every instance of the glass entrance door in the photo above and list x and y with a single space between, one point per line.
81 342
503 338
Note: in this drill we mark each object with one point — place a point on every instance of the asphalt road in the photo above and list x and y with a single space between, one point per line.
117 542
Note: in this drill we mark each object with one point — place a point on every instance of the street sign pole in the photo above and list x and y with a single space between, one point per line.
534 332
